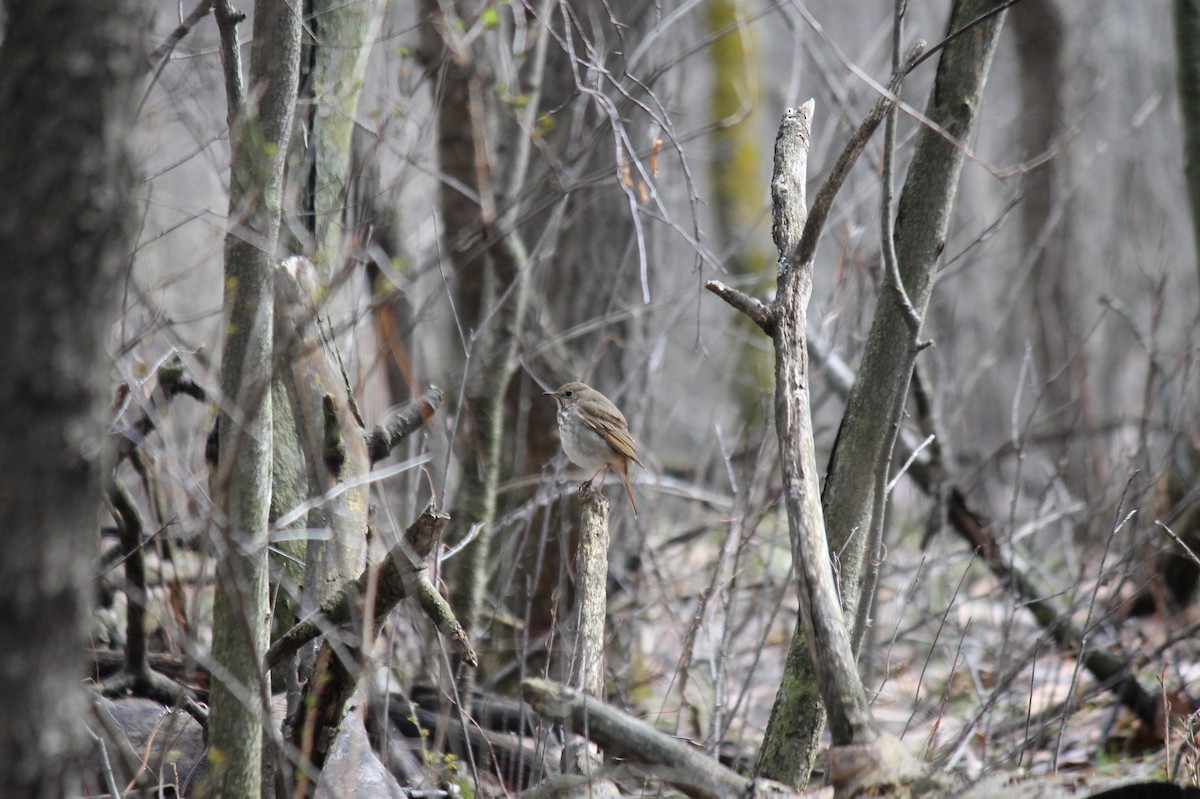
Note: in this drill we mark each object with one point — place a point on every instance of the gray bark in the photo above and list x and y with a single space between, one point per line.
585 636
851 501
820 612
70 75
240 614
337 59
338 38
325 418
821 652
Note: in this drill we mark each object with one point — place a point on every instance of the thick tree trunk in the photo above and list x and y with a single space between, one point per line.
1062 362
70 75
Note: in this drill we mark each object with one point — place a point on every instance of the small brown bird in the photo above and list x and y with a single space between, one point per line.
594 433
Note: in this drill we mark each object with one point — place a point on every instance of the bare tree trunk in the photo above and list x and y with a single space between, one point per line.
491 288
339 40
820 611
240 615
868 430
336 60
331 438
70 76
1041 43
796 234
338 37
864 444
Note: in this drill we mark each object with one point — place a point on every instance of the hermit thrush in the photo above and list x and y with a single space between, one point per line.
594 433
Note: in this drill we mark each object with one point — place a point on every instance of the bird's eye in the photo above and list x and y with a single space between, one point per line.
568 393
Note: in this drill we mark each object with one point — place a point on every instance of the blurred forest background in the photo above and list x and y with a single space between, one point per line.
535 192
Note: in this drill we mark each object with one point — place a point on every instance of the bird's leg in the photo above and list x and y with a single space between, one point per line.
588 483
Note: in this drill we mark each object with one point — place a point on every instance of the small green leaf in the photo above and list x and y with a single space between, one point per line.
545 123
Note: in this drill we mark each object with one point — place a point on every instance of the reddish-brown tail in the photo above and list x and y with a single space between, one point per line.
629 487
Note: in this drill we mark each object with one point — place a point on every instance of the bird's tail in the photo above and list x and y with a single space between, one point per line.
629 487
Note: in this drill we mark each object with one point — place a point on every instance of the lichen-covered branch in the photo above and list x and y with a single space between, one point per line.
342 35
797 716
820 609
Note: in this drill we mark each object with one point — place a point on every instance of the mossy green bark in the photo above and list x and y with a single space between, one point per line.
344 33
788 752
289 487
737 173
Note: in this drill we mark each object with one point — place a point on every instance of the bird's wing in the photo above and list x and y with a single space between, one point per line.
616 434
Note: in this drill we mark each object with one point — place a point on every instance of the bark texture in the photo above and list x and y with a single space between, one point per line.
342 35
820 653
332 441
820 612
240 614
70 75
585 636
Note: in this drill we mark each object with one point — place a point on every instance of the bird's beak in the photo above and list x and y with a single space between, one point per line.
547 393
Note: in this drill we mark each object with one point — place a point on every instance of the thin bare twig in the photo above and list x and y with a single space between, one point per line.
1175 537
823 202
173 39
231 58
